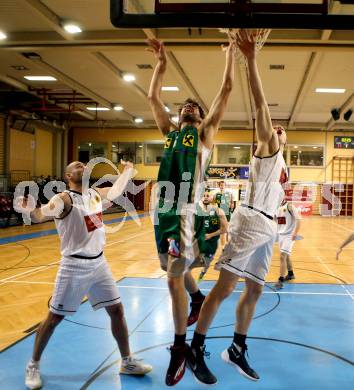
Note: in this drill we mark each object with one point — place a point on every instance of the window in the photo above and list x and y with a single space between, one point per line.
233 154
153 152
89 150
128 151
306 156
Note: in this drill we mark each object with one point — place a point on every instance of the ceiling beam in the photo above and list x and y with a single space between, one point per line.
70 82
24 87
49 17
307 78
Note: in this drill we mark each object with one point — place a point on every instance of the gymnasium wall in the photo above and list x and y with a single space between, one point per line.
21 151
32 152
43 153
297 174
2 146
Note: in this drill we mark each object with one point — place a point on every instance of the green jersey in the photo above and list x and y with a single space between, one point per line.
211 225
183 164
223 200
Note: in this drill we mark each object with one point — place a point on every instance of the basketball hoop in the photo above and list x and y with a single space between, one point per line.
260 34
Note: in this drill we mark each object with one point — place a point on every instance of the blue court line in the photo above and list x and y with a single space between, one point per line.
28 236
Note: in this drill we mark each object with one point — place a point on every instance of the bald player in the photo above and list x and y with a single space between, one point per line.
83 269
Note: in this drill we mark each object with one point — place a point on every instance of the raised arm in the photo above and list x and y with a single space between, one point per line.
212 121
58 207
120 184
264 130
158 108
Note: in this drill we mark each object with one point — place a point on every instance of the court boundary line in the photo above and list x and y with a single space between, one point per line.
334 274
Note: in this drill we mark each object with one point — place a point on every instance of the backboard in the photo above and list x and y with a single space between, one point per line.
288 14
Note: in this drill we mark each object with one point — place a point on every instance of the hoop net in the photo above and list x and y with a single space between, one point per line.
260 34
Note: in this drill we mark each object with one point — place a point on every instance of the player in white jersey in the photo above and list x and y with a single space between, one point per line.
252 234
288 220
83 268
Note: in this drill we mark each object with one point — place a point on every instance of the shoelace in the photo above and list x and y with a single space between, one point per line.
204 352
32 371
245 350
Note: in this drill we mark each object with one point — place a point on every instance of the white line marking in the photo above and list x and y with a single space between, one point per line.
239 291
334 274
35 270
128 238
28 282
342 227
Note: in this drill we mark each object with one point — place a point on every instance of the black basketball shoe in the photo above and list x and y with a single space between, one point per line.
235 356
196 363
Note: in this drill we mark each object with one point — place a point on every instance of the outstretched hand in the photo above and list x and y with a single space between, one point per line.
157 48
127 164
246 42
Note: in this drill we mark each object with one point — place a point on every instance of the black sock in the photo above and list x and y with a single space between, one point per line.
197 296
240 339
198 340
291 273
180 340
281 279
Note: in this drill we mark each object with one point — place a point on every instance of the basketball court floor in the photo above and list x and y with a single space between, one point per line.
302 335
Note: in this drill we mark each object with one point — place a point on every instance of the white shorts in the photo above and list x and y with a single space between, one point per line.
78 278
249 250
285 243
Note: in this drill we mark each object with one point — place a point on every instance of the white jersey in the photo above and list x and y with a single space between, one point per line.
81 231
286 219
264 189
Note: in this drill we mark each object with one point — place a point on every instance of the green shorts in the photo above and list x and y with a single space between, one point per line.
188 232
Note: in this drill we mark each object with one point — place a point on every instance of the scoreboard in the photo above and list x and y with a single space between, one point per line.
344 142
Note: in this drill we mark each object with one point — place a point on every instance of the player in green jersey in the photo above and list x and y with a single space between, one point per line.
180 232
215 224
224 200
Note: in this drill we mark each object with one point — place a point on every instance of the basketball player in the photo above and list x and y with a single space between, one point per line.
215 223
349 239
83 269
224 200
252 234
288 220
179 231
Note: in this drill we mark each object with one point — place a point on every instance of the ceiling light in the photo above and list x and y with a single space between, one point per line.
140 146
72 28
138 120
128 77
175 119
118 107
97 108
330 90
314 147
167 109
114 146
237 147
170 89
90 144
2 35
295 147
40 78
